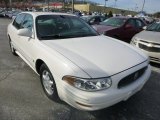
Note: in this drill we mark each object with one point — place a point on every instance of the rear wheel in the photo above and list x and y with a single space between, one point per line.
12 48
48 83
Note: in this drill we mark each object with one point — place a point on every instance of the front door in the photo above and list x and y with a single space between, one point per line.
27 43
128 33
16 25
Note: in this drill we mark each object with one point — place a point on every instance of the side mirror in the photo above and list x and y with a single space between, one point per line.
128 26
145 27
24 32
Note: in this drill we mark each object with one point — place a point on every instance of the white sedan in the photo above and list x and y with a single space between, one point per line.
75 64
149 41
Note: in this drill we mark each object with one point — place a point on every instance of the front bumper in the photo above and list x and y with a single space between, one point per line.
101 99
154 56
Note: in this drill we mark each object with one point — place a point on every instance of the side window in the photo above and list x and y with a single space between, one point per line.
28 22
102 19
131 22
139 23
18 20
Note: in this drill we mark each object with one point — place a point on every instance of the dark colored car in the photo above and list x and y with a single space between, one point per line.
123 28
93 20
2 13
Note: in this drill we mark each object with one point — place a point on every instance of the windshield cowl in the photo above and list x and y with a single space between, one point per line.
51 37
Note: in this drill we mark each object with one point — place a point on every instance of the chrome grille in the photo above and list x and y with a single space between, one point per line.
150 42
131 78
154 59
149 48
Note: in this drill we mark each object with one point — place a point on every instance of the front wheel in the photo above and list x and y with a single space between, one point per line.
48 83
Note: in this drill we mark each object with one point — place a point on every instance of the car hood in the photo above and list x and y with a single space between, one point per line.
149 36
99 56
103 28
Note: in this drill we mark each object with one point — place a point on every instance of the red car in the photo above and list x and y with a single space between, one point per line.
123 28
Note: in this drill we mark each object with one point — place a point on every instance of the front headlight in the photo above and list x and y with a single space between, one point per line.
88 84
134 41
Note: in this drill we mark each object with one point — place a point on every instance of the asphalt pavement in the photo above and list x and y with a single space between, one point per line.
22 96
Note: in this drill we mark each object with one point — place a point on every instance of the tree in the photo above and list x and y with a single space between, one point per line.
110 14
157 15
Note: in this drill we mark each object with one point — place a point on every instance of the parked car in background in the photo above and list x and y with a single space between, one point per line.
123 28
92 20
2 13
8 13
11 14
149 41
148 20
14 14
76 64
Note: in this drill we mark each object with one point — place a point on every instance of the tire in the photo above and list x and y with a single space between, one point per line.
12 48
48 83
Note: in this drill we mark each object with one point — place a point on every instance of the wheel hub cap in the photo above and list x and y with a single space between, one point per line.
47 82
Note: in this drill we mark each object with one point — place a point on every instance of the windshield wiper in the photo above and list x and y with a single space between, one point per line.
59 36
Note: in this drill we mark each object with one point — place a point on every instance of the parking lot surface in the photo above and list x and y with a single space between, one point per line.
22 97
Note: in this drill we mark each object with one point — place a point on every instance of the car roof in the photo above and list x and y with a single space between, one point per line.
47 13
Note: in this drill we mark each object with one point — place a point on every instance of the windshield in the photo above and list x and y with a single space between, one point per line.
114 22
62 26
154 27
